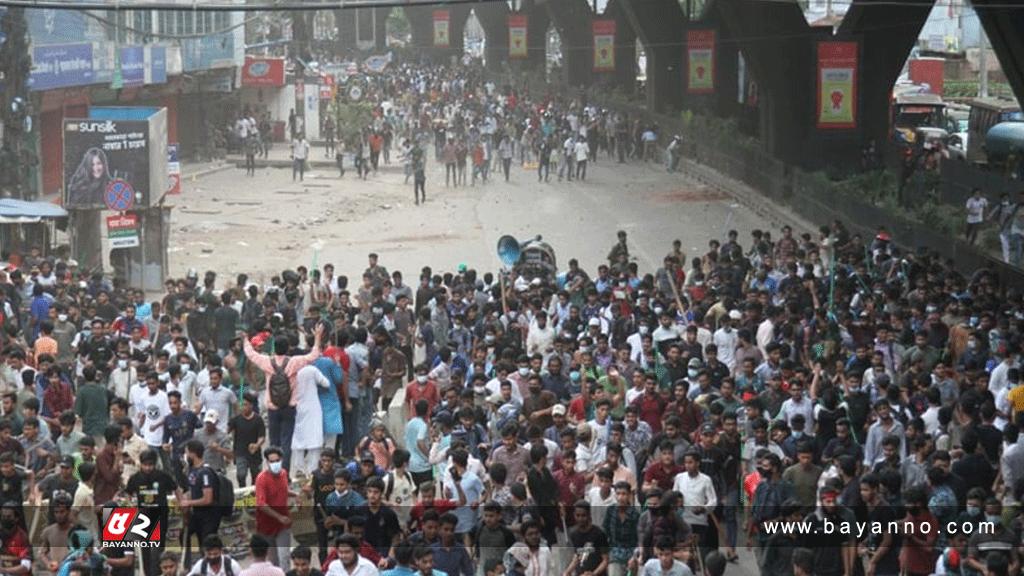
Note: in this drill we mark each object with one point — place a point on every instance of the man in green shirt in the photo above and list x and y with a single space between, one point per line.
92 405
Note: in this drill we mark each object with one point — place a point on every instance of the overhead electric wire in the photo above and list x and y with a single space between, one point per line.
292 5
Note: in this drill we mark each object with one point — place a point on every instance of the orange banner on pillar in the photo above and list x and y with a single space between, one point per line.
517 27
604 45
700 59
837 84
441 36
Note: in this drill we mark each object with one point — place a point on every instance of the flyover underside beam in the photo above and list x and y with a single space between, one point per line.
1005 29
887 33
659 24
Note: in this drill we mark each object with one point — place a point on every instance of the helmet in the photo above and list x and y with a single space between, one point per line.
192 273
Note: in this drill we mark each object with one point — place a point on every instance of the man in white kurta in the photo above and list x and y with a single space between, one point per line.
308 438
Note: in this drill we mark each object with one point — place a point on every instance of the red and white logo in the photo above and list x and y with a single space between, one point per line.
131 528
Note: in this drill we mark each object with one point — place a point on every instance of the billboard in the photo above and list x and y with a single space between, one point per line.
263 72
837 84
98 154
604 45
700 60
116 159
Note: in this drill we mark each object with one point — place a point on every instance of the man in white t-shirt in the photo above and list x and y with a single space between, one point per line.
151 409
976 207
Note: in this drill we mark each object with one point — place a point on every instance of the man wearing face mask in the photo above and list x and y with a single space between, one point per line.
15 548
123 376
994 540
213 562
635 340
272 516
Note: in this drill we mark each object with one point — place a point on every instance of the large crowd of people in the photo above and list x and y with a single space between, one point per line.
839 406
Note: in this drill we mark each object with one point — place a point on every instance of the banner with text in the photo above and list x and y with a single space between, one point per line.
837 84
104 157
700 58
517 27
441 39
123 231
604 45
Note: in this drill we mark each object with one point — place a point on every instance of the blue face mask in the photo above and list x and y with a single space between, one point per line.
993 519
575 376
798 435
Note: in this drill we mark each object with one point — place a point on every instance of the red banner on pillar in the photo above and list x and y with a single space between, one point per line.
700 59
441 37
517 27
604 45
837 84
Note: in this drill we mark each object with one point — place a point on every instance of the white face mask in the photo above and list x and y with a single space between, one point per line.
524 371
122 364
275 467
692 373
62 317
421 378
644 330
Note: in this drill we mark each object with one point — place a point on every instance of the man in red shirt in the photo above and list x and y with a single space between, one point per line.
421 387
15 549
662 474
651 403
273 519
572 486
427 502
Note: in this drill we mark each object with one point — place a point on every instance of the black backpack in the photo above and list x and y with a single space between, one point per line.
280 386
224 495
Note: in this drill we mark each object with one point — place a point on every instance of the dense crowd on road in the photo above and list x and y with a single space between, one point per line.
843 407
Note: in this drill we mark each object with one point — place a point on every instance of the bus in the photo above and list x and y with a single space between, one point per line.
910 110
986 113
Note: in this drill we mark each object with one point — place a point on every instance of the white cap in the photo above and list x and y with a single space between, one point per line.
594 322
211 416
735 315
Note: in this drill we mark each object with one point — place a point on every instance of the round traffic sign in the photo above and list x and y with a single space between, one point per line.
119 195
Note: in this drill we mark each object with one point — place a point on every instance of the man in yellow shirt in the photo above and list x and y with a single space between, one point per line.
1016 394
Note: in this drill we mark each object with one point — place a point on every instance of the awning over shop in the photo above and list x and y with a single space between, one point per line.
13 211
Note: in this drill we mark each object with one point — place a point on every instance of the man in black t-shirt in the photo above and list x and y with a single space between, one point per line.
589 542
201 501
879 547
835 552
320 485
60 483
150 488
248 433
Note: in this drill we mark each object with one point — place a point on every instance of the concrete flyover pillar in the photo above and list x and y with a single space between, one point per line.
493 17
624 76
421 23
777 45
573 20
659 25
1005 31
886 32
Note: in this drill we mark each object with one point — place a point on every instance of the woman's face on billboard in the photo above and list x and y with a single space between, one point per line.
97 167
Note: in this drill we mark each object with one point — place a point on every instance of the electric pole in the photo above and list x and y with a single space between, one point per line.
16 154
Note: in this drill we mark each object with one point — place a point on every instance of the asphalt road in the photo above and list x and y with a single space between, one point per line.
230 223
